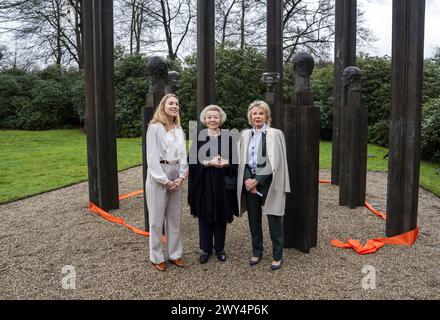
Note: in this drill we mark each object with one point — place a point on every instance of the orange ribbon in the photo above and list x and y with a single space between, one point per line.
107 216
373 245
376 212
131 194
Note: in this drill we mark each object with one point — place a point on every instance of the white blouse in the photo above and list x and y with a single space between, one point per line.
164 146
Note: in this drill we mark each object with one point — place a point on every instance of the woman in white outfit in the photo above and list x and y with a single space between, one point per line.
167 168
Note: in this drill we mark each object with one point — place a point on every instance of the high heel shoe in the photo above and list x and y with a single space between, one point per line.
204 257
254 261
221 256
276 265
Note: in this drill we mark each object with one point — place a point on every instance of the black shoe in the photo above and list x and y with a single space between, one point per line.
253 262
221 256
204 257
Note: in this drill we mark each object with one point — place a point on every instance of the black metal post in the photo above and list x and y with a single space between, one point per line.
345 55
100 103
354 134
205 55
302 132
275 57
406 105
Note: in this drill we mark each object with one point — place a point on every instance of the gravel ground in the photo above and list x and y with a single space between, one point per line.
42 234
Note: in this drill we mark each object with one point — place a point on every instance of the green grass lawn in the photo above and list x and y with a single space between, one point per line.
32 162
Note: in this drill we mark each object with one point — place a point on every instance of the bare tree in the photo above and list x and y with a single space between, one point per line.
131 18
308 25
50 28
174 18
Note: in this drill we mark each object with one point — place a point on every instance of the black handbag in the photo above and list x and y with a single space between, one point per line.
231 183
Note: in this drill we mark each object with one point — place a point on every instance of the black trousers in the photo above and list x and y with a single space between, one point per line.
212 236
254 205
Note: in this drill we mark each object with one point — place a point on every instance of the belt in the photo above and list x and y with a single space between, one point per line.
167 162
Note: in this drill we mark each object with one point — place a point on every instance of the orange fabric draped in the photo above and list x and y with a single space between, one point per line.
107 216
373 245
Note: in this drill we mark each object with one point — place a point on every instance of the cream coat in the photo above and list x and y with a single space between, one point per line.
276 152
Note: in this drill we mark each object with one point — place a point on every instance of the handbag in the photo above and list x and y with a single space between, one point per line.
231 183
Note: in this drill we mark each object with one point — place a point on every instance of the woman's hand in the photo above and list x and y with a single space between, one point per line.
253 190
218 162
250 184
170 186
177 184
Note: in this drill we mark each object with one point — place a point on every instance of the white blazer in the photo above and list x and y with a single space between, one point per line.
276 152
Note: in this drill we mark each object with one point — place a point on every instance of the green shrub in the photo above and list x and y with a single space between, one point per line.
322 86
238 74
376 87
431 80
78 96
379 133
187 92
431 131
131 91
9 88
48 108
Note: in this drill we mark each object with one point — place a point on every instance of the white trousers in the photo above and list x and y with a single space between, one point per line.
164 206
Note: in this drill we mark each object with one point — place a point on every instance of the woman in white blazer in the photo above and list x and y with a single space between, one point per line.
167 168
263 181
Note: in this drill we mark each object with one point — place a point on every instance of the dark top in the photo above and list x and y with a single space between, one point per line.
263 172
212 192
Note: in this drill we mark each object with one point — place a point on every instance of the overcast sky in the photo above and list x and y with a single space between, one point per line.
378 14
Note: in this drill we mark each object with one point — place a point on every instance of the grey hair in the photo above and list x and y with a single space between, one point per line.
264 106
212 107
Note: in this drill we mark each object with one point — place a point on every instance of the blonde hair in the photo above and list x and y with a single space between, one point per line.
160 115
212 107
264 106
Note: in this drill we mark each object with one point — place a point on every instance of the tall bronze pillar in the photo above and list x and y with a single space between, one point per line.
275 57
100 103
302 131
354 134
345 55
406 106
205 55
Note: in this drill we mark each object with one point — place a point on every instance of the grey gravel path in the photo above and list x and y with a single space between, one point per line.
42 234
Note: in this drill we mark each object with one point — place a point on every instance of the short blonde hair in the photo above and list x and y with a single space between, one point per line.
160 116
259 104
212 107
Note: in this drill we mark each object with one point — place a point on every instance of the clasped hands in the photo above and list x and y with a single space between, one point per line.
251 185
174 185
217 162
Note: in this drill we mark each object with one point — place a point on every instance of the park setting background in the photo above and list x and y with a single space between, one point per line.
42 92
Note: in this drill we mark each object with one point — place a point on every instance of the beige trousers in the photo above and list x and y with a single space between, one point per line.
164 206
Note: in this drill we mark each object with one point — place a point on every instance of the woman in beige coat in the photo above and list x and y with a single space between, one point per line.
263 181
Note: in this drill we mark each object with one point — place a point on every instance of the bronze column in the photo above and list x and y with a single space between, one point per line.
205 55
302 123
354 134
275 57
345 55
406 106
100 103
